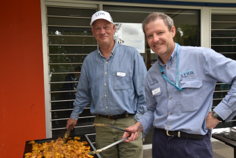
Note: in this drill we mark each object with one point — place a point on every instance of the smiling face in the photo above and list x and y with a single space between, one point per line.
160 39
103 31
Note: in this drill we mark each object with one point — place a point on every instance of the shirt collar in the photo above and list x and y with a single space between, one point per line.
112 52
173 56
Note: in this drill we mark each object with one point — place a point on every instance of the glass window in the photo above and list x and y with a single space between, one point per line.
69 41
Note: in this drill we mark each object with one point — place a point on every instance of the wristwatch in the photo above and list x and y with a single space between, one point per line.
215 115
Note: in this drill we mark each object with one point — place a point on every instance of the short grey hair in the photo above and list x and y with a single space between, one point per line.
168 21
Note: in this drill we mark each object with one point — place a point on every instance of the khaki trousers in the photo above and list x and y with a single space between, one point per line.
106 135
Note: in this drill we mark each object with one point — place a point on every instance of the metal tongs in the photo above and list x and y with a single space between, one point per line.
106 147
67 134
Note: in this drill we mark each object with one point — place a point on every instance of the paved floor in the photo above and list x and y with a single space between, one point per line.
220 150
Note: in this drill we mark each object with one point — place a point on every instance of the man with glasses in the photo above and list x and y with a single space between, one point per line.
112 79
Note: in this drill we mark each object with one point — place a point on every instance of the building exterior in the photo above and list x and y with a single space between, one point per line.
45 42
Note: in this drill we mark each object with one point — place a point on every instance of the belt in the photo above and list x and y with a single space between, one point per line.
115 117
182 134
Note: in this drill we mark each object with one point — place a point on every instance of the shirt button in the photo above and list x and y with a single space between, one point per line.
105 95
107 107
168 127
105 72
106 62
105 84
168 68
171 113
170 98
173 60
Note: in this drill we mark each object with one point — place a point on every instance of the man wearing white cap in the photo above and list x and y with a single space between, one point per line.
112 79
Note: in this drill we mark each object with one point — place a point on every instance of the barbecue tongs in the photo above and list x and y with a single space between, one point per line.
67 134
100 150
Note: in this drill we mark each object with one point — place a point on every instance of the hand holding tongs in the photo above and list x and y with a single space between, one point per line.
100 150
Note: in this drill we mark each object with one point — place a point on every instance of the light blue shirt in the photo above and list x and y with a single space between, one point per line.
113 86
186 110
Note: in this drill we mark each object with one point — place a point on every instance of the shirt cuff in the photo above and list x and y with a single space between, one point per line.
223 110
74 115
145 132
137 116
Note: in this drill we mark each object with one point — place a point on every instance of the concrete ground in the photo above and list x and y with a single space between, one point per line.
220 150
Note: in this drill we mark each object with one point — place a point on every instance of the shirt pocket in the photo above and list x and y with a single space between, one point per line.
190 93
121 80
155 88
191 84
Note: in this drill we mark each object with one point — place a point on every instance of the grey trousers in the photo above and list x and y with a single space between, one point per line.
105 136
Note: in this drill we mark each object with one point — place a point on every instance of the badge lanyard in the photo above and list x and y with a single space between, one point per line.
176 85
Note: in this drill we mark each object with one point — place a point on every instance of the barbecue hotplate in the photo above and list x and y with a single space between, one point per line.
28 147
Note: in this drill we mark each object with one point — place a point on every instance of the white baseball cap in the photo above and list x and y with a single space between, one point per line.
101 15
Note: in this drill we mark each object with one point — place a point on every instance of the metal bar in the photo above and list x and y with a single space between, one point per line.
58 73
55 101
73 17
64 82
68 118
69 26
217 98
224 45
62 91
86 45
221 91
108 146
91 144
223 21
65 63
67 54
52 35
55 129
223 29
223 37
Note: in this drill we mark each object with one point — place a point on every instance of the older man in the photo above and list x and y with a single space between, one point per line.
112 79
179 93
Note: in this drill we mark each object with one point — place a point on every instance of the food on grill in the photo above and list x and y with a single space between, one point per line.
58 149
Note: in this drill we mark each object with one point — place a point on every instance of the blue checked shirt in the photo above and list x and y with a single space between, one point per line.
114 85
186 110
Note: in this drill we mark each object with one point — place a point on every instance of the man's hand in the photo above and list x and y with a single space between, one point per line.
211 121
71 122
135 129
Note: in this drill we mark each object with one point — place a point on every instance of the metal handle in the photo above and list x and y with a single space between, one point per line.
106 147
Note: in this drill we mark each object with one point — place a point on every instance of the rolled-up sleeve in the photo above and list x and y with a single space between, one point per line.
83 95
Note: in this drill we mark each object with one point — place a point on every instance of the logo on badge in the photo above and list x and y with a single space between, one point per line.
188 73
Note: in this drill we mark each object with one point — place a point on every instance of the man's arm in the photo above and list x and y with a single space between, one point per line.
83 98
140 72
224 70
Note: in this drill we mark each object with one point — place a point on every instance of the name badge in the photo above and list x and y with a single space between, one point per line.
155 91
121 74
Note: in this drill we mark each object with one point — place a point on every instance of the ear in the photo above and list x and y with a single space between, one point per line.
114 28
173 31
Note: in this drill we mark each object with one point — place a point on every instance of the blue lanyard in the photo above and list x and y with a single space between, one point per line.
176 85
